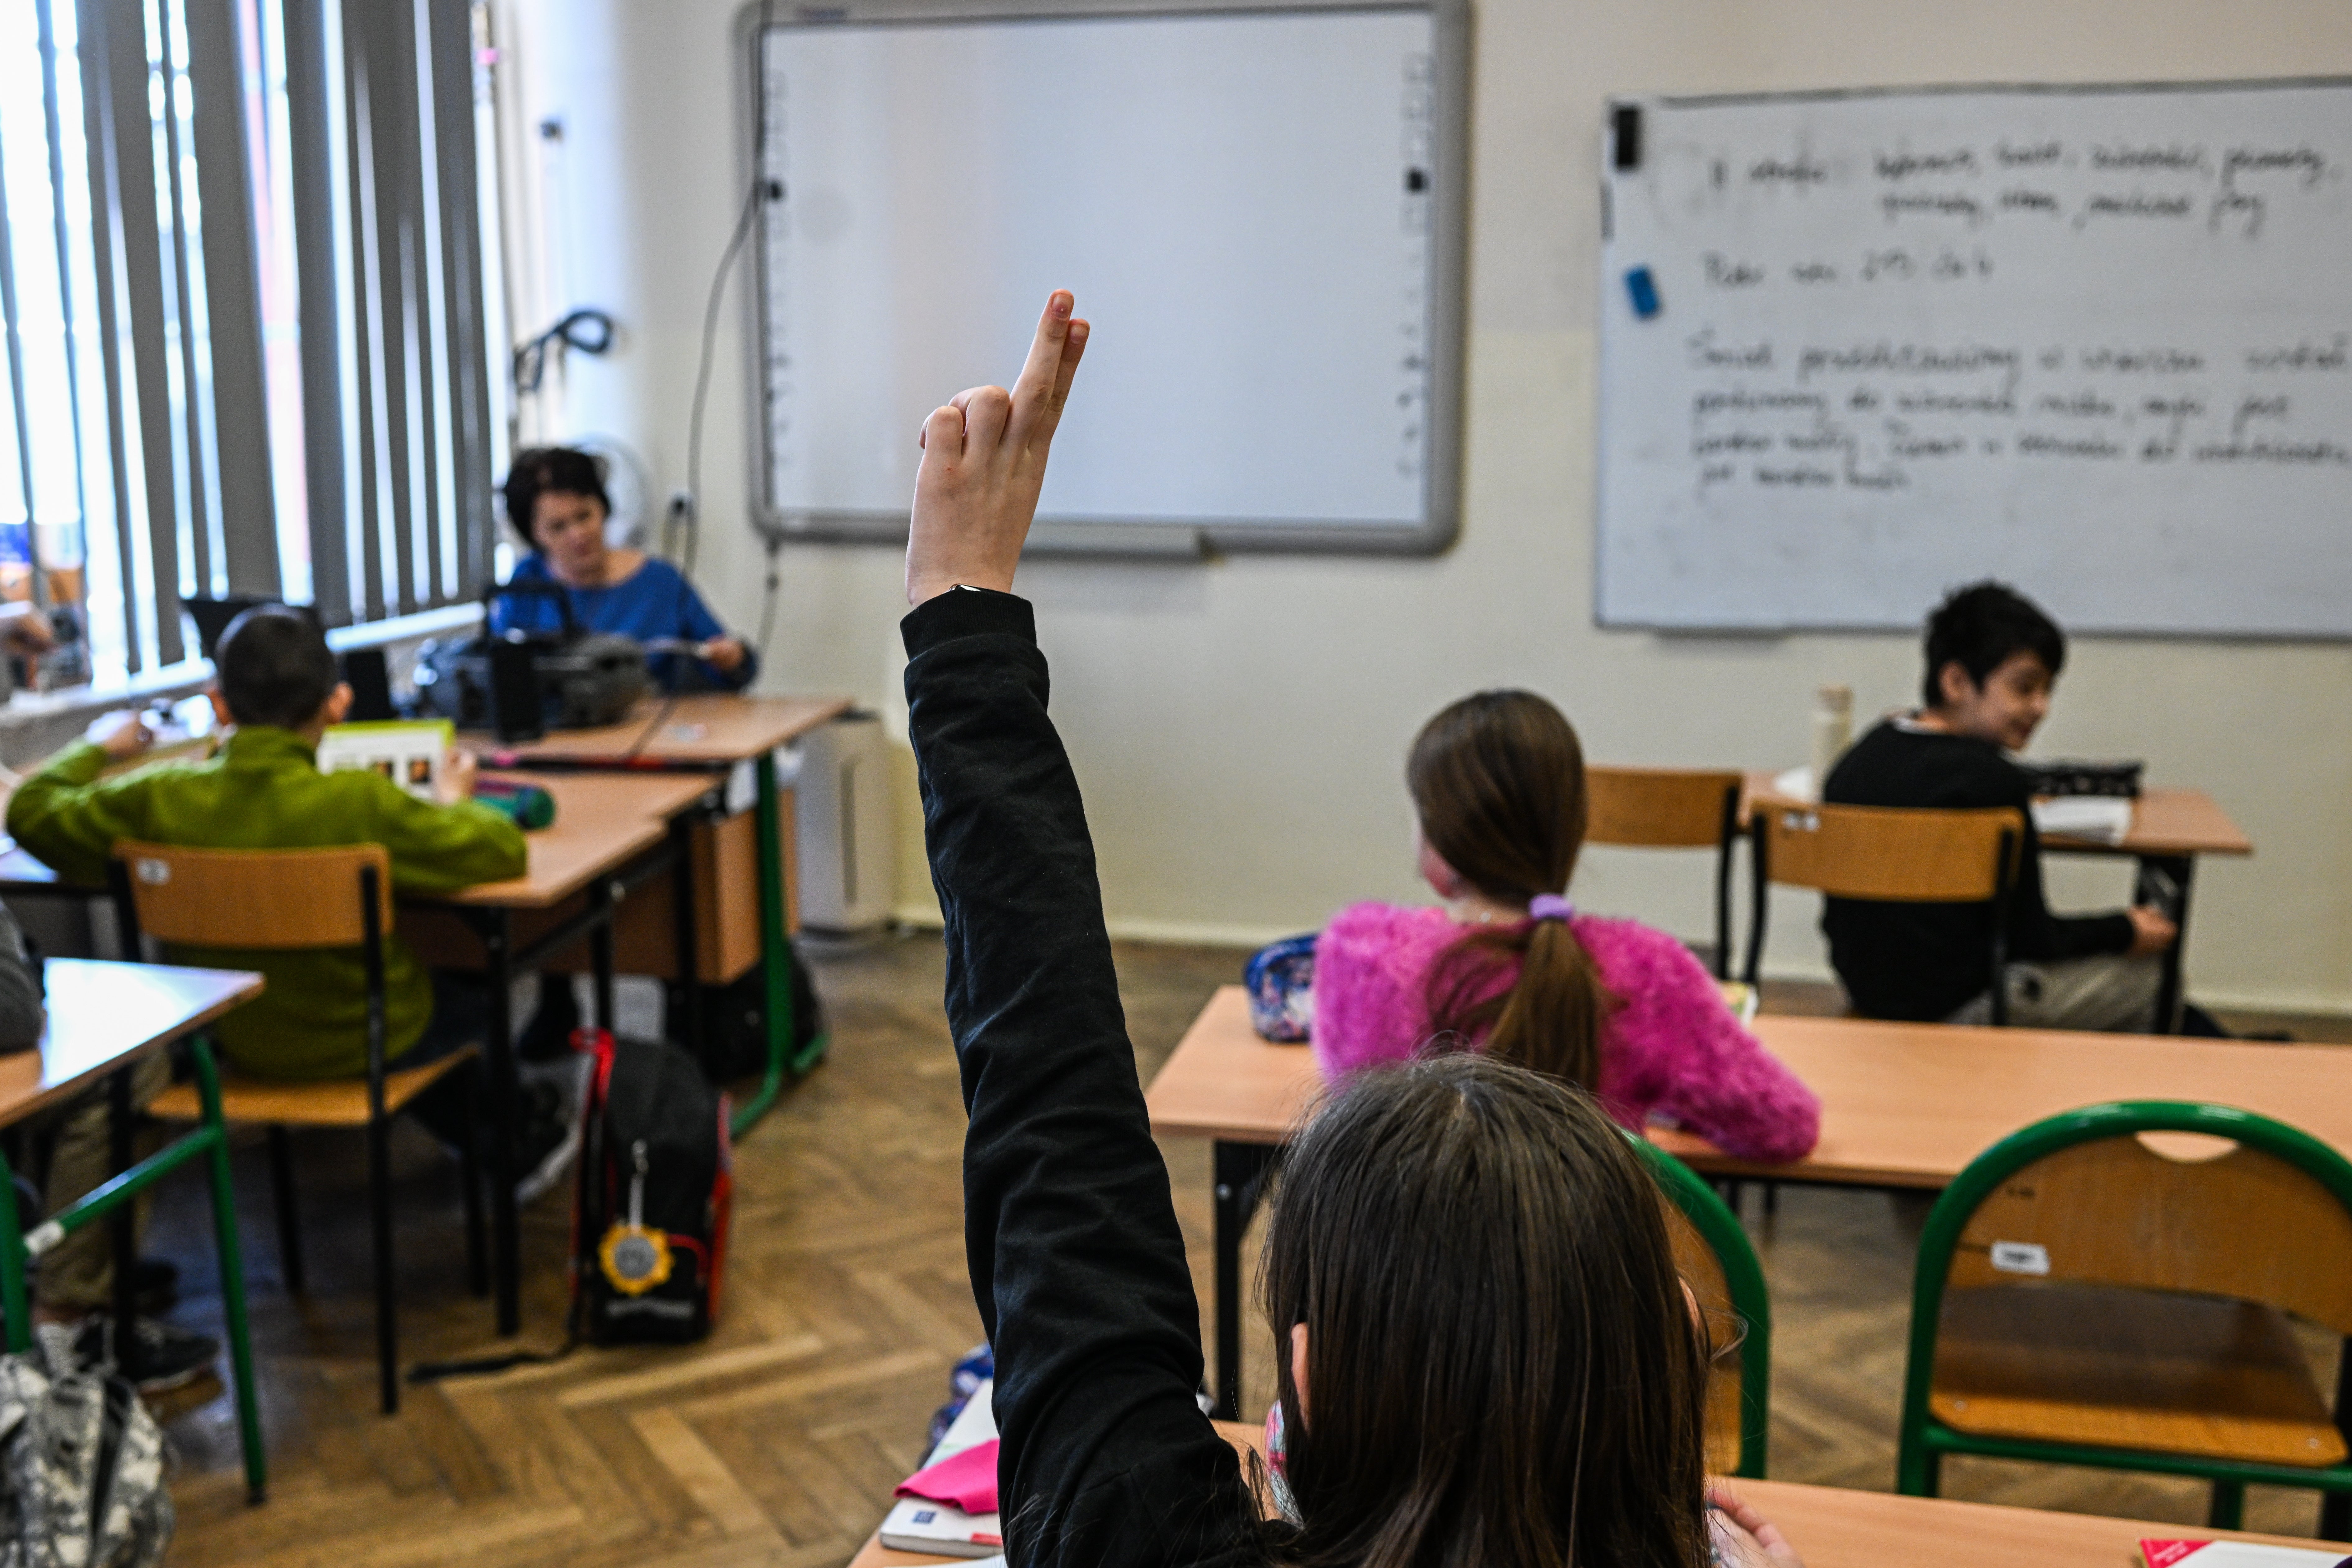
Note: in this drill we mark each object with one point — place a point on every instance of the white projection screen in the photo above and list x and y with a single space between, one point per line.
1260 211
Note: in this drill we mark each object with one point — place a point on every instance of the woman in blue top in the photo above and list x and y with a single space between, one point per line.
555 498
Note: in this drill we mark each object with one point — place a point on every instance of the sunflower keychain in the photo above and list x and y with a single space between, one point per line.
635 1259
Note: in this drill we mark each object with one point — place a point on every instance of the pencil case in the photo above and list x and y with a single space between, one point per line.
526 805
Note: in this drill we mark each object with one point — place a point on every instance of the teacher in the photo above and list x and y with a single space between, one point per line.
555 499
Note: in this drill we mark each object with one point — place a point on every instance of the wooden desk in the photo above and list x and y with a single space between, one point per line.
1833 1528
611 832
713 728
105 1015
711 732
602 821
2170 830
1909 1105
103 1019
1903 1105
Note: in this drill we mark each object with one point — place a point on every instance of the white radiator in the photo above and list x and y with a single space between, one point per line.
840 778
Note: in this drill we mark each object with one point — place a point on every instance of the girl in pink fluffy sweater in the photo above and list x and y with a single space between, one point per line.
1509 966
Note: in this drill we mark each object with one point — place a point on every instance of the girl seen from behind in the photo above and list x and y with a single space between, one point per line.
1486 1357
1509 966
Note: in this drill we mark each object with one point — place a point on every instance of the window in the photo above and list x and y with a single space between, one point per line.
242 281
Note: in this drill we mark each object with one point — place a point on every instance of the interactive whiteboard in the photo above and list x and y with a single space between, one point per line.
1259 210
1859 348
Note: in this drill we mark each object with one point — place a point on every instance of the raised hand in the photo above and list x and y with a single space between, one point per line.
984 462
123 735
454 781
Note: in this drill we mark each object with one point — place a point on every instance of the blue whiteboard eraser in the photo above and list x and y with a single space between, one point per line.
1642 290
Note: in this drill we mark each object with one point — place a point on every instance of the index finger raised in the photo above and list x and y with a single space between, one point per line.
1038 392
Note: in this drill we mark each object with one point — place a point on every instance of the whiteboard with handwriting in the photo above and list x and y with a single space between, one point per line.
2094 341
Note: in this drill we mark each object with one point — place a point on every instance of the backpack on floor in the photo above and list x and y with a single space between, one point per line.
734 1042
81 1464
649 1223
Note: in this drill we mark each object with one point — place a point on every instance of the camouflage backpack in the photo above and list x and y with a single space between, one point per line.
81 1464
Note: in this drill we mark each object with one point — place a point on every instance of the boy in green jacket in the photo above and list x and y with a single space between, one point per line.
276 683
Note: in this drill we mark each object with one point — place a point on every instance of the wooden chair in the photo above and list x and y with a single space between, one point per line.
1712 1250
1892 855
2089 1292
284 899
1671 808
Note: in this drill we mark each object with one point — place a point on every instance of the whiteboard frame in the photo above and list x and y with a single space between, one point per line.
1449 231
1613 101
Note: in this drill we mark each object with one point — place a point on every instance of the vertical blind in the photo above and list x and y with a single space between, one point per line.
240 268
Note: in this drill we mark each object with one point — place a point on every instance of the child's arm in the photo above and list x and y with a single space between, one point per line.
439 848
729 658
1721 1082
1076 1262
67 817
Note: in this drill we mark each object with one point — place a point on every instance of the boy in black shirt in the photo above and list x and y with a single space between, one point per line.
1993 660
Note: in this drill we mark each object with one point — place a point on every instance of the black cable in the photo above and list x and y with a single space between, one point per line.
589 330
760 186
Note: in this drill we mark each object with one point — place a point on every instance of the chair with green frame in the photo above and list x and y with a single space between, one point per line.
2095 1290
1712 1250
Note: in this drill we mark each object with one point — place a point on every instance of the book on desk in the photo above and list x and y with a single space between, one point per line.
921 1524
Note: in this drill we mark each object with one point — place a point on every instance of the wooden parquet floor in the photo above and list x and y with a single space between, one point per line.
779 1440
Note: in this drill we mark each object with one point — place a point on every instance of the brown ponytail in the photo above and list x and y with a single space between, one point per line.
1498 779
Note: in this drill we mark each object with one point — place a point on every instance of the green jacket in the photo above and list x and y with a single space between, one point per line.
264 792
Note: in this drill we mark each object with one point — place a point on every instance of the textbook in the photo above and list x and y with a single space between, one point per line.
2236 1554
921 1524
408 753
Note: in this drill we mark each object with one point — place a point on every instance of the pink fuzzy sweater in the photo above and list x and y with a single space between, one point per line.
1671 1048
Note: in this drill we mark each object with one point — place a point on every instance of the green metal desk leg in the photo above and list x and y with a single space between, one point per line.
232 1273
13 1264
775 953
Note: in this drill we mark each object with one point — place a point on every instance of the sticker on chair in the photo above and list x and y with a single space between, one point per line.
2020 1257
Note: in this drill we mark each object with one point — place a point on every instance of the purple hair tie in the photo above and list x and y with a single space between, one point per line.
1550 907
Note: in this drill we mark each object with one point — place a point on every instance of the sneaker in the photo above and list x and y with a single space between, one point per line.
549 1140
160 1355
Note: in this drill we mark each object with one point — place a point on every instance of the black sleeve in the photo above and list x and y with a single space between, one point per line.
1076 1262
2035 932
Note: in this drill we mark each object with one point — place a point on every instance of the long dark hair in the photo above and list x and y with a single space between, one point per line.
1498 779
1502 1368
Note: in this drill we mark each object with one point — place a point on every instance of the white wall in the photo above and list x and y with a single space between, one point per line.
1240 727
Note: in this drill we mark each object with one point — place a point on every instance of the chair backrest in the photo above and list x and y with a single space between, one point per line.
1661 808
1671 808
1898 853
1716 1259
256 897
2103 1196
2138 1208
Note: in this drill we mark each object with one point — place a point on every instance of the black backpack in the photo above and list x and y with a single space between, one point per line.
734 1042
649 1225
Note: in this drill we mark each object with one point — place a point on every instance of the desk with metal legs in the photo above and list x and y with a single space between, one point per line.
1903 1105
103 1019
710 734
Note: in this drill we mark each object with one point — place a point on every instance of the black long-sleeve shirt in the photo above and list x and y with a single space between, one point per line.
1925 961
1076 1262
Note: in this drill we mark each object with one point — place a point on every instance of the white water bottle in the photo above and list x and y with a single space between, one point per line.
1832 729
